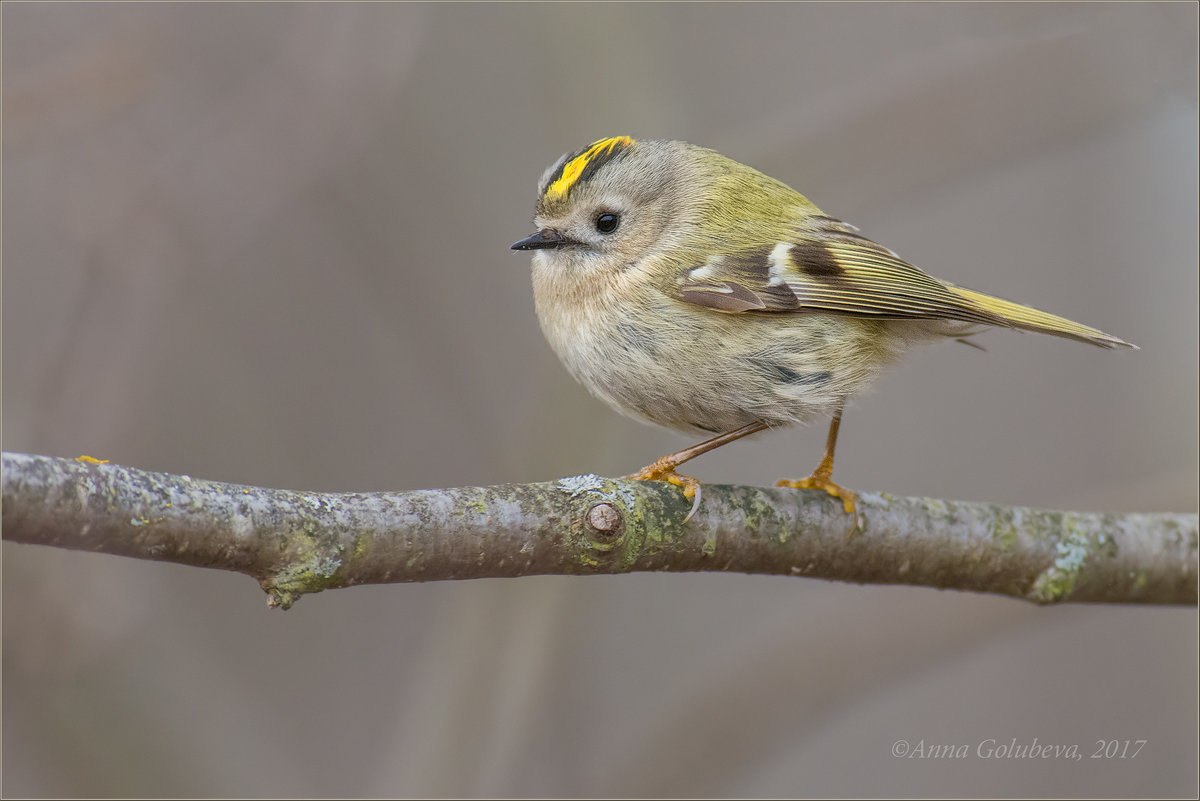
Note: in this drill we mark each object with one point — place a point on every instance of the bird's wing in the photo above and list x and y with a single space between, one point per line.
827 267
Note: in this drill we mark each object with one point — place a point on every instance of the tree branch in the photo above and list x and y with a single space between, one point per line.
295 543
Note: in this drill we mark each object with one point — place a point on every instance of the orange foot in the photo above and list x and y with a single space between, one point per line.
823 482
660 471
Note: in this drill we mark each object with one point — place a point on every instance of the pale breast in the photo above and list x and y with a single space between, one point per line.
667 362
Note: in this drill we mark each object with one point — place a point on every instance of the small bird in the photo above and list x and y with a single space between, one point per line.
686 289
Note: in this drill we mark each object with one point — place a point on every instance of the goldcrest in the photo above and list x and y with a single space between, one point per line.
686 289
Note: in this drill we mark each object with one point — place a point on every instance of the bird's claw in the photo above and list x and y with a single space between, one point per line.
665 472
819 482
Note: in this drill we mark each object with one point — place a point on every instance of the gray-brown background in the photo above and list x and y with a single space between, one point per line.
269 244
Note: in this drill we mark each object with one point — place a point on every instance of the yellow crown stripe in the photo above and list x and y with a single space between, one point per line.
575 167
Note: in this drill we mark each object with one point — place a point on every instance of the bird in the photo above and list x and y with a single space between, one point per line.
688 290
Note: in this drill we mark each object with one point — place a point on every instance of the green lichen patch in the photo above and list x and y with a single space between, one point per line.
1072 551
1004 530
302 578
313 561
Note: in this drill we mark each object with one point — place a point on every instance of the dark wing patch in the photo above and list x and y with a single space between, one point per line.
814 259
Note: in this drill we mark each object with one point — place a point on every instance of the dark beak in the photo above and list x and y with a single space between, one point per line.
545 238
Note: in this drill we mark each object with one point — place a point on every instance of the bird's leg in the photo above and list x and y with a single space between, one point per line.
821 478
664 469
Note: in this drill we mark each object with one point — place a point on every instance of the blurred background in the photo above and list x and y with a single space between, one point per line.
268 244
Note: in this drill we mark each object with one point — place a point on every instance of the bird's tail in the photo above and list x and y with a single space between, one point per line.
1030 319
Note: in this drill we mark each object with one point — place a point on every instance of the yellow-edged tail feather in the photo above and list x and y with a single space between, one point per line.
1030 319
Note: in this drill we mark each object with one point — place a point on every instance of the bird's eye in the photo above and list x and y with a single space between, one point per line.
607 222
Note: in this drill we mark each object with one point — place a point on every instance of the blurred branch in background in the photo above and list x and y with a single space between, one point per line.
295 543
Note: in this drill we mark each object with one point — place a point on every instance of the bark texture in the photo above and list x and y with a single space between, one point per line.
296 543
